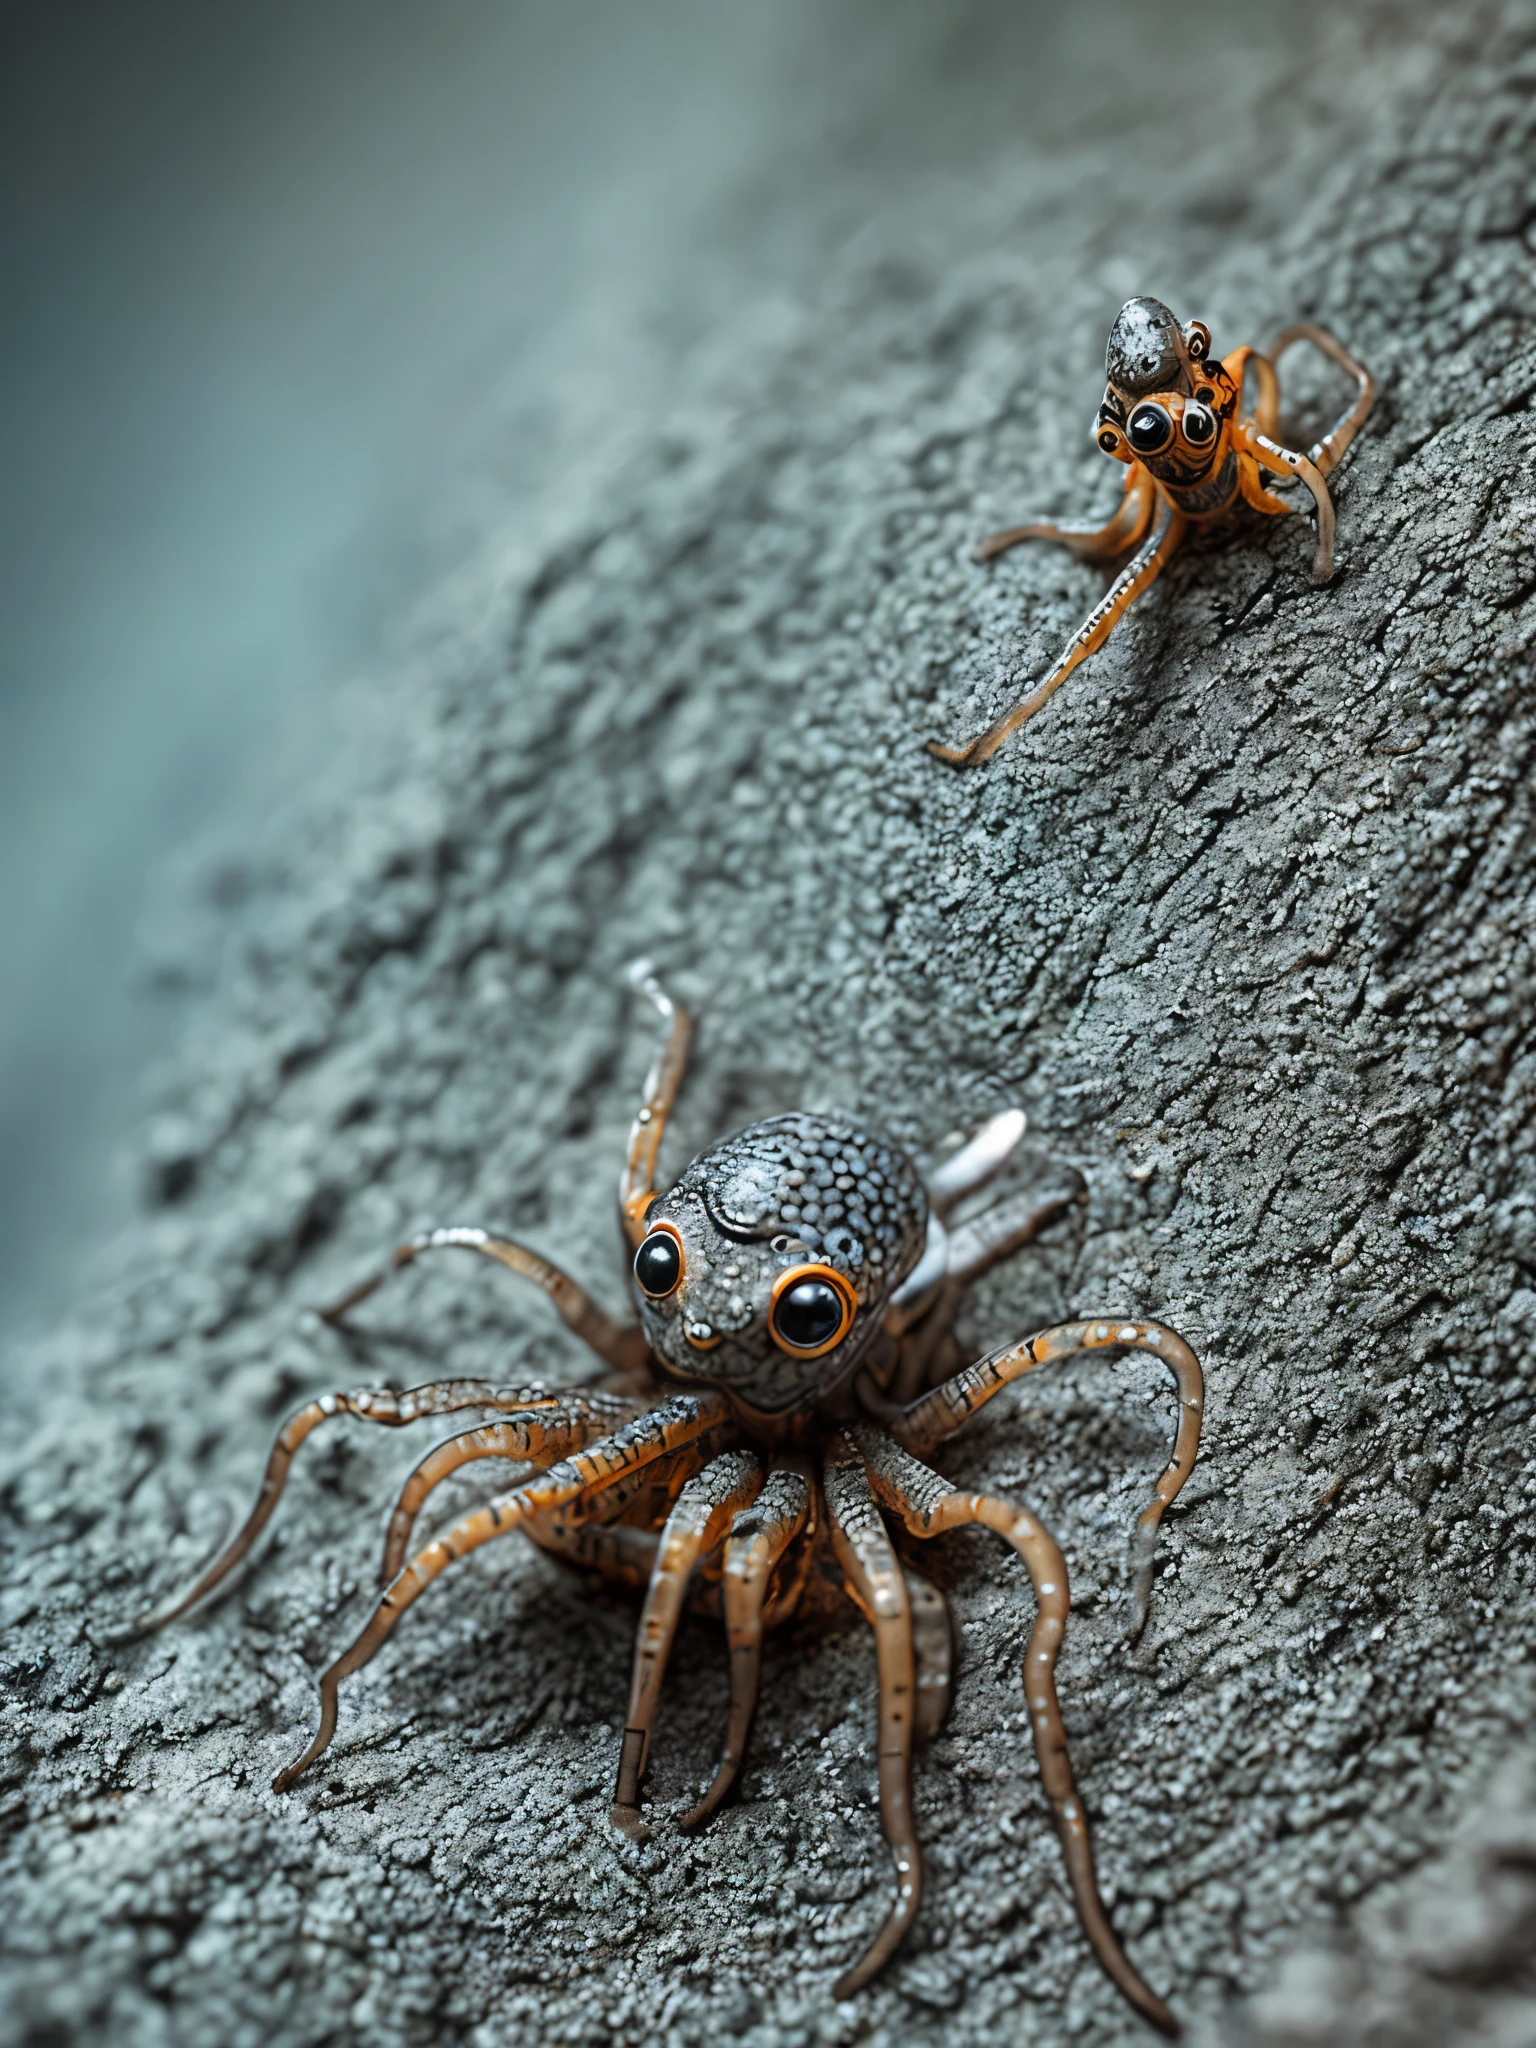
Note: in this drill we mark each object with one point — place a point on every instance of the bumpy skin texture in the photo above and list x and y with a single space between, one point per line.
1143 352
1250 925
768 1199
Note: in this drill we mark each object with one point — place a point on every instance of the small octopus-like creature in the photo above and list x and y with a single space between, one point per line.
1175 418
757 1436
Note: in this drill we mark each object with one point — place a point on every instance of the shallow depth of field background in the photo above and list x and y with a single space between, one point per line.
296 299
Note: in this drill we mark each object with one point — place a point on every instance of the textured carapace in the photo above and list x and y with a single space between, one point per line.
757 1434
1174 415
765 1220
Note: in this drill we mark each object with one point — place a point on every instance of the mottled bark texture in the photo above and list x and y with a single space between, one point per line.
1245 920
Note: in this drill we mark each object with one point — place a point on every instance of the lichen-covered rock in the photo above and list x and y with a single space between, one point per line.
1245 917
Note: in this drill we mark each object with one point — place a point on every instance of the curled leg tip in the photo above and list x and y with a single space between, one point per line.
957 757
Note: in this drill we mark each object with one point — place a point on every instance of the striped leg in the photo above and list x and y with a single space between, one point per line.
620 1345
1122 530
874 1579
669 1427
937 1415
533 1438
1287 463
1137 577
928 1505
438 1397
705 1509
759 1538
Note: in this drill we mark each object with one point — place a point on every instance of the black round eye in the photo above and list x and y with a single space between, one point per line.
1149 428
659 1264
808 1315
1109 440
1197 340
1199 425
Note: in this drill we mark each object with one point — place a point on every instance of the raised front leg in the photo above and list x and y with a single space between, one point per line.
1125 527
637 1186
1136 578
1327 453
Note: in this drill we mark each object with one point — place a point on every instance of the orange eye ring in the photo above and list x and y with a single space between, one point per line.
1108 437
660 1262
799 1303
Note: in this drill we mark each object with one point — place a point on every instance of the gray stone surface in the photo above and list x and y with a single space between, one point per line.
1244 919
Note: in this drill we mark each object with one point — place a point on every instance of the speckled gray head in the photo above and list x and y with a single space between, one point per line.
1146 349
767 1269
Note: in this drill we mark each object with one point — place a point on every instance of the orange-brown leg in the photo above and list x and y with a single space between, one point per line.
1137 577
705 1509
620 1554
675 1423
1122 530
759 1538
1286 462
536 1438
929 1505
1251 482
874 1579
1327 453
938 1415
637 1184
618 1344
1266 411
394 1411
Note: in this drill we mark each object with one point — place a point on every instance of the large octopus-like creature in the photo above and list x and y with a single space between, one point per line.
759 1433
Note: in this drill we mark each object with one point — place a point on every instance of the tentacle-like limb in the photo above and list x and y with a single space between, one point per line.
1250 479
637 1186
667 1428
620 1345
705 1509
937 1415
438 1397
1327 453
759 1538
1137 577
933 1654
1286 462
1123 529
929 1505
874 1578
536 1438
1266 411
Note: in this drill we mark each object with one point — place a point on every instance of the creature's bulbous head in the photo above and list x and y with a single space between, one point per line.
1165 402
767 1269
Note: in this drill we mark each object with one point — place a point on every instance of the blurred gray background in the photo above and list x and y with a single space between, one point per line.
298 298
